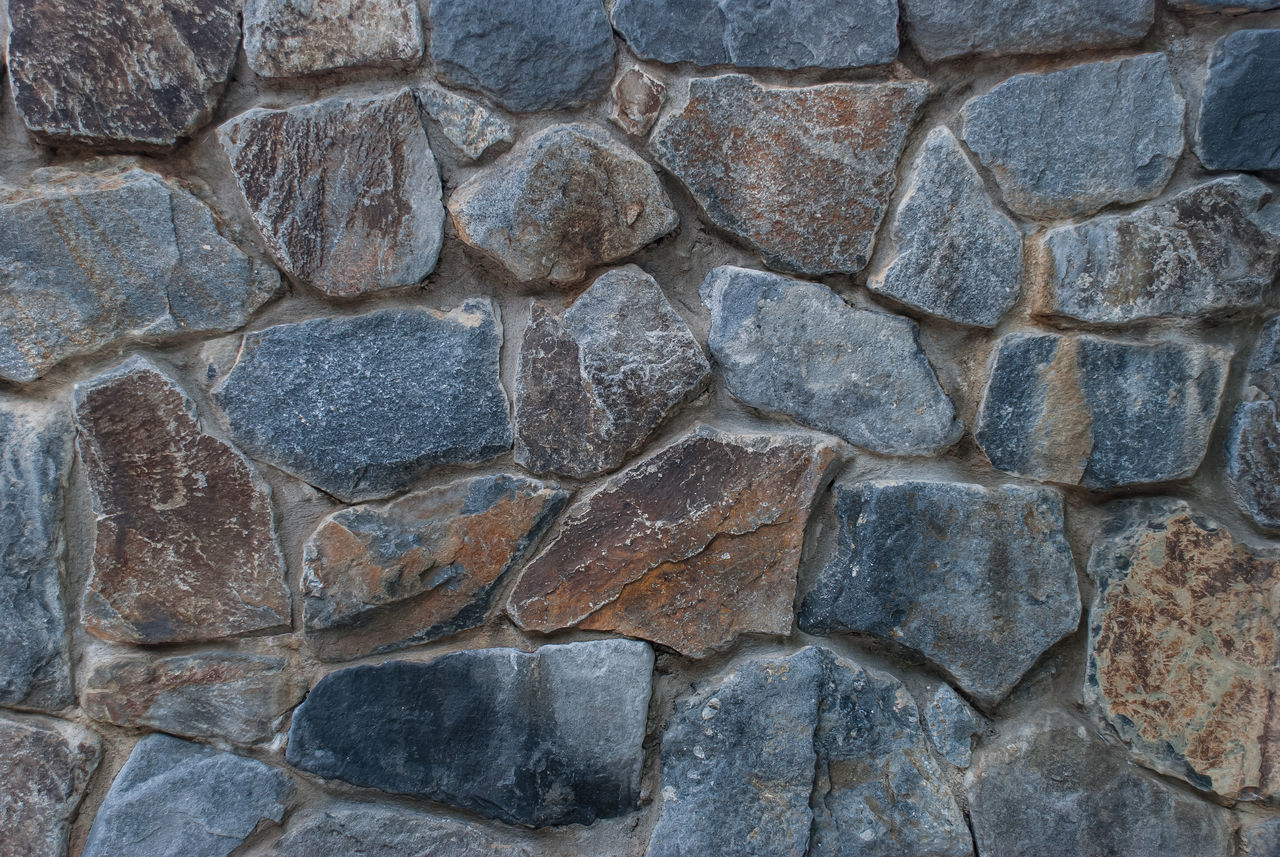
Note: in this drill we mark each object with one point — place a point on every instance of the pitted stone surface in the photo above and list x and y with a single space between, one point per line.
951 724
45 766
373 830
469 125
286 38
1239 125
637 101
1253 441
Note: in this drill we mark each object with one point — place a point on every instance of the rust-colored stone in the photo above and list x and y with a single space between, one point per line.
637 101
45 766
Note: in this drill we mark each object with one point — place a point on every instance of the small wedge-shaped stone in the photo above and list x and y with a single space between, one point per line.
552 737
795 347
750 156
345 191
1253 442
421 568
1069 142
45 766
378 830
596 380
469 125
637 101
184 541
563 201
1239 125
285 38
688 548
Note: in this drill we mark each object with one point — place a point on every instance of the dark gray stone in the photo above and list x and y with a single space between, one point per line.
362 406
1261 839
553 737
469 125
376 830
45 766
952 725
285 38
1239 126
1253 441
1223 5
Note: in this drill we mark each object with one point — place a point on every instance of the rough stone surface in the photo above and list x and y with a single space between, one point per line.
286 38
596 380
45 766
1224 5
373 830
980 580
951 724
552 737
795 347
1069 142
1098 412
561 202
749 155
1239 126
688 548
1253 441
362 406
637 101
955 254
1261 839
469 125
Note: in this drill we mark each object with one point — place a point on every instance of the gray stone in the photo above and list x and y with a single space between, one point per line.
595 381
637 101
1261 839
45 766
469 125
1067 143
1239 126
377 830
1223 5
525 54
345 191
951 724
1253 441
98 259
795 347
980 580
1099 412
363 406
174 797
553 737
287 38
955 255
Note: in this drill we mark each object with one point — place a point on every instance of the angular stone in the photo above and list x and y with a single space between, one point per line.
97 259
184 542
1261 839
552 737
980 580
1239 126
955 255
748 155
1253 441
1098 412
689 547
363 406
138 75
561 202
637 101
175 797
795 347
525 54
284 38
803 754
421 568
376 830
596 380
1067 143
45 766
469 125
345 191
951 724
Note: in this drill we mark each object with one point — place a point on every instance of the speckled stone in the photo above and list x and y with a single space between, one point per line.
951 724
1239 127
379 830
1253 440
469 125
45 766
287 38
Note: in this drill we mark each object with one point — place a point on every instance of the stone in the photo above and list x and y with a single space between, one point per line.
184 541
747 154
45 766
469 125
1261 839
951 724
1239 127
421 568
525 54
377 830
96 260
596 380
955 255
544 738
341 208
1099 412
803 754
362 406
795 347
175 797
1224 5
637 101
688 548
820 33
979 580
563 201
285 38
1253 440
1068 143
138 76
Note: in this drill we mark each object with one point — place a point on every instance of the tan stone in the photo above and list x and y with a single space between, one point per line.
637 101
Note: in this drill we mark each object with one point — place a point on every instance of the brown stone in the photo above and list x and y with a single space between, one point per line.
45 766
637 101
285 38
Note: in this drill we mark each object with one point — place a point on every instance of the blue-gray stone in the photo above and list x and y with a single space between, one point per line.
1239 125
952 725
1261 839
1253 441
382 830
1224 5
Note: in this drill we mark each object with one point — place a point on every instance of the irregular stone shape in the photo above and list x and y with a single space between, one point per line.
1239 126
795 347
1261 839
823 33
1069 142
345 191
955 254
980 580
375 830
138 75
637 101
688 548
803 754
552 737
45 766
363 406
596 380
184 543
175 797
1097 412
525 54
421 568
94 260
952 725
748 155
563 201
469 125
1253 442
285 38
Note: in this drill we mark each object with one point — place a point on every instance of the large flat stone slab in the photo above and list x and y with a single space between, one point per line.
283 38
1239 127
377 830
45 766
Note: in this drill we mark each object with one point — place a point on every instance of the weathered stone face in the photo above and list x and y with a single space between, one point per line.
45 766
951 724
284 38
1253 441
637 101
384 831
1239 118
469 125
1224 5
1261 839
